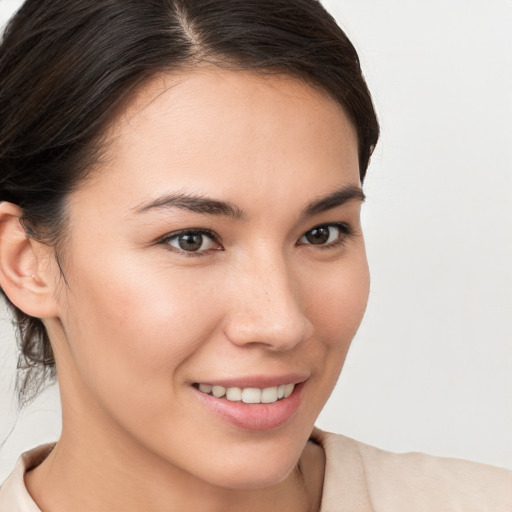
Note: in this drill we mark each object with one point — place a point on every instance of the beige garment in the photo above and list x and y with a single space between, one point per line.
14 496
362 478
358 478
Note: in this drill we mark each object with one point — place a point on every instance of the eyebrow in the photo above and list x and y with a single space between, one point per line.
198 204
208 206
337 198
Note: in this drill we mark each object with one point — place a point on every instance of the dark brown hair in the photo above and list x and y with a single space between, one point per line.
65 65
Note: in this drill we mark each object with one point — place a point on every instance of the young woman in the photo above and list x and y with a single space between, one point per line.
180 242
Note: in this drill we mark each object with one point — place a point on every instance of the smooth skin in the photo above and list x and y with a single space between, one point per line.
140 317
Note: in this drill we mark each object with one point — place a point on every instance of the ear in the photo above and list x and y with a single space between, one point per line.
25 270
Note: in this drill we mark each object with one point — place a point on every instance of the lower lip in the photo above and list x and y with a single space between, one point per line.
257 417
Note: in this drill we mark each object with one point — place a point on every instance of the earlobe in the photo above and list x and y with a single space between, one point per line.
24 275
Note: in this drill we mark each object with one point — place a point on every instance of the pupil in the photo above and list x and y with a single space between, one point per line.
318 235
191 242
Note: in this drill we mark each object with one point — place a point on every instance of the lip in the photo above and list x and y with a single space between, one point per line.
256 381
253 417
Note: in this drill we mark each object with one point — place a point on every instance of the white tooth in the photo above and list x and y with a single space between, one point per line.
288 390
251 395
280 391
205 388
269 395
218 391
234 394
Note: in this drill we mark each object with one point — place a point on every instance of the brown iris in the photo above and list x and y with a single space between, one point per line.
318 235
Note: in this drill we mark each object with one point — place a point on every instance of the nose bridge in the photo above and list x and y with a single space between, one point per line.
267 307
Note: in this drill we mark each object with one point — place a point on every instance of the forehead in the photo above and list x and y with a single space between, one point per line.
214 130
233 86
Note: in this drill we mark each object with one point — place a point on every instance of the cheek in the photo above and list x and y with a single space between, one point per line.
336 306
130 332
337 300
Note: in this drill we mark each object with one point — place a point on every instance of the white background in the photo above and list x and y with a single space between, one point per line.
431 368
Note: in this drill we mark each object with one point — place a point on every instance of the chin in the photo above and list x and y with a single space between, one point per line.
254 475
249 465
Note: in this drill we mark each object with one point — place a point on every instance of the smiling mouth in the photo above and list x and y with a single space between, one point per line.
248 395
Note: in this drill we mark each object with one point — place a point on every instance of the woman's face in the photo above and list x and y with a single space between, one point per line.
218 244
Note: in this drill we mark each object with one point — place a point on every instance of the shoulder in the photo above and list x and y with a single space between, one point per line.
388 481
14 496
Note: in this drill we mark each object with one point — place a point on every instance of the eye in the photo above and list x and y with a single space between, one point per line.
326 235
192 241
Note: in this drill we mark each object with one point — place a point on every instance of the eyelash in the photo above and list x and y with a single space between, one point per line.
345 232
190 254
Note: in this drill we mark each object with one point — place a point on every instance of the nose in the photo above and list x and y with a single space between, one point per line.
266 306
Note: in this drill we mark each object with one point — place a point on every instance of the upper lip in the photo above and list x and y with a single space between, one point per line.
256 381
